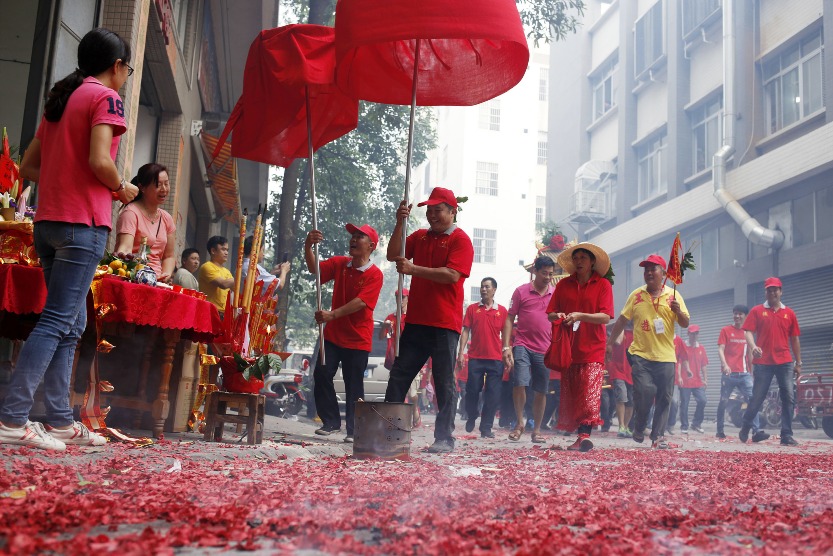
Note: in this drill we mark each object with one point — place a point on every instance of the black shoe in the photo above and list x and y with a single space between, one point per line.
441 447
327 430
760 436
639 436
470 425
487 434
788 441
605 428
720 434
744 433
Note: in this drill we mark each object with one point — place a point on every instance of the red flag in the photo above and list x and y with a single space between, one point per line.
675 271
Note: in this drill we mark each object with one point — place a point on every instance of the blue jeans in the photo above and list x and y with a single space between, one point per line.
700 399
417 344
763 378
69 254
743 382
492 370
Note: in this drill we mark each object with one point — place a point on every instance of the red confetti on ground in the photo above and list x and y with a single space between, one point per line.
524 501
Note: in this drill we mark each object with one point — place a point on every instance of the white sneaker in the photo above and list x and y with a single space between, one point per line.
78 435
31 434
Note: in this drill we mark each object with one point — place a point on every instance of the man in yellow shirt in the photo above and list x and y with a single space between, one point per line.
653 309
215 279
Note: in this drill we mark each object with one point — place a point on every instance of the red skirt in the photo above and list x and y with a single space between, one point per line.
581 396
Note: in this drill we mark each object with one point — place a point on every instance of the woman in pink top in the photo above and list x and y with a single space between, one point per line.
72 159
144 218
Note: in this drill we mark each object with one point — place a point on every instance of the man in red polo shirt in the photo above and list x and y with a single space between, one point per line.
438 260
348 334
483 322
693 381
771 329
620 375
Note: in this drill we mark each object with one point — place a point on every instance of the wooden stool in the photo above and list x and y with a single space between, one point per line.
216 417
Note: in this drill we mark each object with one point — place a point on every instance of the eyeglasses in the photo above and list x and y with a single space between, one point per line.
129 69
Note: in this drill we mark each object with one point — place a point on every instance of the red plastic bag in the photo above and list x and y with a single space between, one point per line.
559 355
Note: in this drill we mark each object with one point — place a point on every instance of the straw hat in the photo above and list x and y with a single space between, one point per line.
602 265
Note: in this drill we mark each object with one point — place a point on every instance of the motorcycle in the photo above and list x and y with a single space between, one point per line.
771 412
735 408
284 395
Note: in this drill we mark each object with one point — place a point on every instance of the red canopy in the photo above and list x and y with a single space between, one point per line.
473 50
270 118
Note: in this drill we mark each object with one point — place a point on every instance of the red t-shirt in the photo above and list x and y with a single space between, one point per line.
619 367
596 296
68 191
353 331
697 360
485 327
773 330
736 351
431 303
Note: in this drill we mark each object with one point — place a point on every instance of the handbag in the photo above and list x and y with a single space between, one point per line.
559 355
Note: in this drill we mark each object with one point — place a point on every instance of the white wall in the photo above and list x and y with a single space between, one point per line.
651 109
605 36
781 20
706 69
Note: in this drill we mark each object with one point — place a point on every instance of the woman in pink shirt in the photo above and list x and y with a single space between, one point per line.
144 218
72 159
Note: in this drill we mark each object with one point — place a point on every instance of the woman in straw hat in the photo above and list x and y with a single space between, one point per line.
583 302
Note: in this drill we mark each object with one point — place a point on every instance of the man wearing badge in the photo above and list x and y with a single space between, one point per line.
653 309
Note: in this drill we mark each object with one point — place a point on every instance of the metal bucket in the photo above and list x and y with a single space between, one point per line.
382 430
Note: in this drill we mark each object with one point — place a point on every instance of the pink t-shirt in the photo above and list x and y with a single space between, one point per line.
534 331
68 191
133 221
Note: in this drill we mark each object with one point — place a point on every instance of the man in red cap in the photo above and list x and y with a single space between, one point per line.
348 334
771 329
653 309
693 381
439 260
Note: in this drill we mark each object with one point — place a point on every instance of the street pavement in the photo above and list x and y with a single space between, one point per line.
300 493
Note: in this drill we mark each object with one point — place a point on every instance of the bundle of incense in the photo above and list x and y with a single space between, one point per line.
239 269
252 274
260 316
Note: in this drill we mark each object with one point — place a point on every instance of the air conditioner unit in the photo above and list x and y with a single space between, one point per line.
588 203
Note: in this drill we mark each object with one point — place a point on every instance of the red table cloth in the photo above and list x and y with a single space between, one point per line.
147 305
22 289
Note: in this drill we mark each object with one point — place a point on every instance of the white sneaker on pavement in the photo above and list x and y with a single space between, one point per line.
31 434
78 435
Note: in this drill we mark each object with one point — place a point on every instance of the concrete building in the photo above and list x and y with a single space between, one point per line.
188 57
496 155
706 117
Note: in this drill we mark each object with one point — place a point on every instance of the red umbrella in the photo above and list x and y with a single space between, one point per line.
431 53
290 105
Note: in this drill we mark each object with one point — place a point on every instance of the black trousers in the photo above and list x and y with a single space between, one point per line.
492 372
353 364
653 384
417 344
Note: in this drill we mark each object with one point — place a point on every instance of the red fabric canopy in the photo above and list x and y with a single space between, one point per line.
269 119
473 50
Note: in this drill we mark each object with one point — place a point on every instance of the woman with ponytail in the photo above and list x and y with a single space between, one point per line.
72 157
144 218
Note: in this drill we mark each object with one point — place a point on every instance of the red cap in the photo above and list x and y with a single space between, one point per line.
366 230
440 195
772 282
654 259
693 328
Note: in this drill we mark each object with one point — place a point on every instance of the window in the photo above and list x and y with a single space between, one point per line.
543 83
803 220
706 127
648 39
726 246
653 175
489 117
540 207
793 83
696 13
486 178
179 8
604 88
475 294
824 213
485 247
542 147
708 252
426 182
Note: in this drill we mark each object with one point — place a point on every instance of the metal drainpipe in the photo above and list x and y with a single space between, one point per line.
752 229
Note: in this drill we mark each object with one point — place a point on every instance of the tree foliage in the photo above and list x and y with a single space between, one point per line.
550 19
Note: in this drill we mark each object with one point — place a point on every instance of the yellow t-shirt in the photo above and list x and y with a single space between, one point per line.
216 295
641 311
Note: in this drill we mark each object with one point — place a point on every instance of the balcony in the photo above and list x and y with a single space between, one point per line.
588 206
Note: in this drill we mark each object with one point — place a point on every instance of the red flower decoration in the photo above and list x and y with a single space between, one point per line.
557 242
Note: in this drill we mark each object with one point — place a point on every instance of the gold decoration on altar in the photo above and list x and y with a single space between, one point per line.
104 346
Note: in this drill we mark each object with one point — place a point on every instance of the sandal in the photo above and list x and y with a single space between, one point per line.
538 438
516 434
